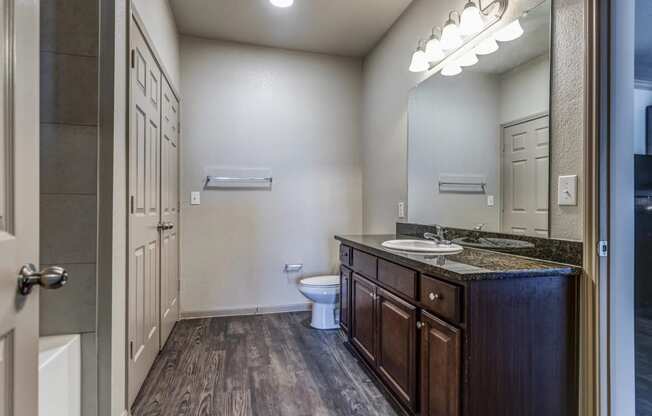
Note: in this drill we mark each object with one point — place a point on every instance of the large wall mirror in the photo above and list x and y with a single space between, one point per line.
479 142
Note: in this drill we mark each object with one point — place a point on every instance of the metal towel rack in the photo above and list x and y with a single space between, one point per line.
238 178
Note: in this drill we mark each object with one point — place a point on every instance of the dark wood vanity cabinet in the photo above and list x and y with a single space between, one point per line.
441 367
492 347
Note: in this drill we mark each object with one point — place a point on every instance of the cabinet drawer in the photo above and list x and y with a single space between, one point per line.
444 299
365 264
345 255
398 278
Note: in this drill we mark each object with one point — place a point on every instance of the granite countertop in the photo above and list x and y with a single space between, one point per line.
471 264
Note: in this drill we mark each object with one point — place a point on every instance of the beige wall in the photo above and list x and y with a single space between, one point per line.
161 27
295 113
387 83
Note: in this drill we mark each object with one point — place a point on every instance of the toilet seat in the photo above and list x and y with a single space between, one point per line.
321 281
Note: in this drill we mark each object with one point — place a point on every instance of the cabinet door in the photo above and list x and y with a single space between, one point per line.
345 299
397 346
363 325
440 368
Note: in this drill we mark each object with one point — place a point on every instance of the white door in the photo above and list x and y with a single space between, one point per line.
144 212
169 211
526 155
19 207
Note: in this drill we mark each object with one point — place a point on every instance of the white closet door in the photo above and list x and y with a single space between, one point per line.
144 211
169 212
526 160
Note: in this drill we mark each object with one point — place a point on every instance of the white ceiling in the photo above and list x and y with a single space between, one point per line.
338 27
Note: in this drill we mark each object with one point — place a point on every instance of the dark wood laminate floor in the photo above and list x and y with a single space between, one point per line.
262 365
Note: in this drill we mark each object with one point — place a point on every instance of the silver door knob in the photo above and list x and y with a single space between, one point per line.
169 225
49 278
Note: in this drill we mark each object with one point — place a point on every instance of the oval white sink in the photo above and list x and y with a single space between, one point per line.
422 246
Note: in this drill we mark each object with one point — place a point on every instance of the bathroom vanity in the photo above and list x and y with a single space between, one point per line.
479 333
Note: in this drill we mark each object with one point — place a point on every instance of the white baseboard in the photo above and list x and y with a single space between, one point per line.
247 310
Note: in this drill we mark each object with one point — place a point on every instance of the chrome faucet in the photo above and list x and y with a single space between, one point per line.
438 237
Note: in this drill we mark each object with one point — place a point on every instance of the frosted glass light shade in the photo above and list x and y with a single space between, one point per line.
510 32
282 3
419 62
433 50
451 37
486 47
468 60
451 70
471 22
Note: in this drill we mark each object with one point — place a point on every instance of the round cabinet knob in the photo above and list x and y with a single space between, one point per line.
419 325
434 296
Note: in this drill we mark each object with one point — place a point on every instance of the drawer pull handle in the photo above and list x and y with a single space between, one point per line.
435 296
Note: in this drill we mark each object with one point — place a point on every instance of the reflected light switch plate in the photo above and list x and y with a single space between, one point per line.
567 190
195 198
491 201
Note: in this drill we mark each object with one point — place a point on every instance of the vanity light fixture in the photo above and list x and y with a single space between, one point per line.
419 61
510 32
451 70
434 53
487 47
451 37
458 31
471 22
469 59
282 3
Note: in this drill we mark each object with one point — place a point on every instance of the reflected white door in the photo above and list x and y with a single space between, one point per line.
19 204
525 170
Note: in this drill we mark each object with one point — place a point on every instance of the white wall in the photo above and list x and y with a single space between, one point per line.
444 141
161 27
642 99
387 83
295 113
525 90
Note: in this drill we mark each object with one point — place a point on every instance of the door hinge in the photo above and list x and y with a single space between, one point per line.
603 248
131 350
131 204
133 58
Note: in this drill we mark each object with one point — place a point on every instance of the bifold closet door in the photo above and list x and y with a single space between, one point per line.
144 211
169 211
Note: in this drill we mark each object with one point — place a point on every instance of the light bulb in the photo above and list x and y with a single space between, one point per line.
282 3
468 60
419 62
510 32
450 36
471 21
433 50
486 47
451 70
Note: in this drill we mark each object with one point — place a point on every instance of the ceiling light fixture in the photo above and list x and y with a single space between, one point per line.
510 32
282 3
419 61
471 22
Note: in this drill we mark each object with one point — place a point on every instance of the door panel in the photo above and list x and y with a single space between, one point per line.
144 213
397 346
440 368
19 204
526 153
169 211
363 325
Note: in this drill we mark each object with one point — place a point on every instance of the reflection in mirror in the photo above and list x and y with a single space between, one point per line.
478 151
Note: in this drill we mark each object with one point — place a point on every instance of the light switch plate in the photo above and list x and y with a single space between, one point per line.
567 190
401 209
491 201
195 198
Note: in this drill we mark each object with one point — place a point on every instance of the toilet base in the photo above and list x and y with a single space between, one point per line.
325 316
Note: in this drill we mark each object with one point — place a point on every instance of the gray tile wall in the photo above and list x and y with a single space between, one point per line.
68 166
69 135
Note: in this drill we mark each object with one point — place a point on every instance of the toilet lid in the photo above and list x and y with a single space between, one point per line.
321 281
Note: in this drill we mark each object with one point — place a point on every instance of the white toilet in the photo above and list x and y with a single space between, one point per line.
324 291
